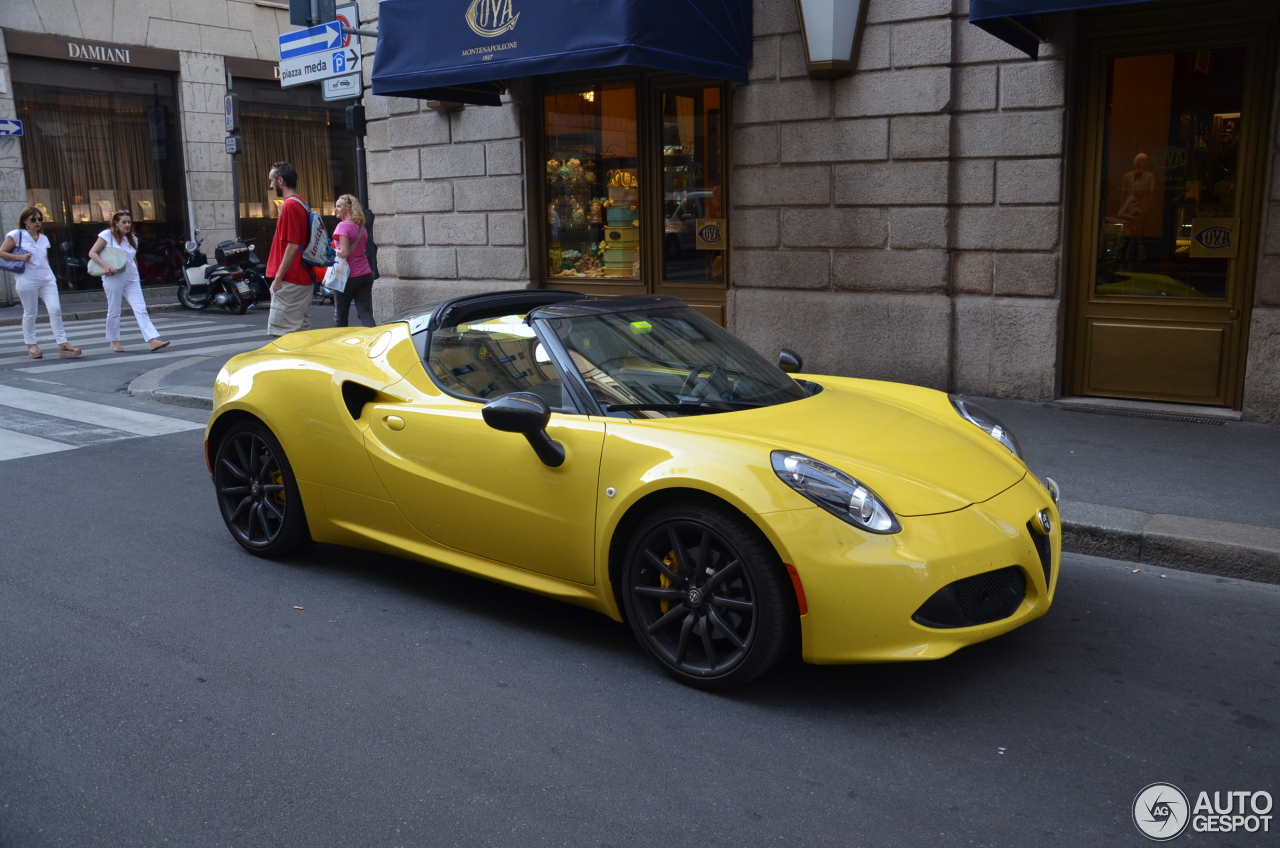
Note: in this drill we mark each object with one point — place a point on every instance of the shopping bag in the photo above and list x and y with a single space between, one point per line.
335 276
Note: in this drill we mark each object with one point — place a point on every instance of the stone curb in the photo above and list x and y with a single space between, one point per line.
1240 551
90 316
148 387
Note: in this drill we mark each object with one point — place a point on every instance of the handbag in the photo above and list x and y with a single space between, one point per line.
15 266
113 256
335 276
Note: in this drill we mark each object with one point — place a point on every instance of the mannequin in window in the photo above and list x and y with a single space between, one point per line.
1136 190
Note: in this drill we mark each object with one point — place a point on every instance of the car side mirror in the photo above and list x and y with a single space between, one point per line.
527 414
790 361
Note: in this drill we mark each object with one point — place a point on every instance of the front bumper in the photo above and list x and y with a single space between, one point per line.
863 589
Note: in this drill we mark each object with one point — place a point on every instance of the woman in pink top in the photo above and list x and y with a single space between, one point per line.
351 238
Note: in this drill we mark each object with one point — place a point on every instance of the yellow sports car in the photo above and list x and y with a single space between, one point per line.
629 455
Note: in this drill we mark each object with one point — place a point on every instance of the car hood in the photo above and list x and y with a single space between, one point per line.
907 443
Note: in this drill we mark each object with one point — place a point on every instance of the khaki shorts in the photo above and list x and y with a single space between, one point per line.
290 309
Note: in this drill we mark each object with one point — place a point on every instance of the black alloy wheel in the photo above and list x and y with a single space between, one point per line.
257 492
706 595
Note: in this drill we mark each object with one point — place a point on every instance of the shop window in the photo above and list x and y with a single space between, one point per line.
593 189
294 126
633 190
88 154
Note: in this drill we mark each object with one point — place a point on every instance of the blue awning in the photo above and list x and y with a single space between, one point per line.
1017 21
448 50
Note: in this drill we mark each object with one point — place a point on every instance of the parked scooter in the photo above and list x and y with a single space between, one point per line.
223 284
247 261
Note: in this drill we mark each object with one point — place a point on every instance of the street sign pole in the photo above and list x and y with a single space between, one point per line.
231 109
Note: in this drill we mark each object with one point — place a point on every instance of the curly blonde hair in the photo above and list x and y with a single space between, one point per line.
357 211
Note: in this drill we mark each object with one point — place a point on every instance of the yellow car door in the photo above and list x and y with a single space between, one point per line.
477 489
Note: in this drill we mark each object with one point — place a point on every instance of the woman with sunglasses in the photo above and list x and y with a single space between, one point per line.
36 282
124 283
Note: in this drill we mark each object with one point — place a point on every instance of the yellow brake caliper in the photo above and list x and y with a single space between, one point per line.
665 582
277 477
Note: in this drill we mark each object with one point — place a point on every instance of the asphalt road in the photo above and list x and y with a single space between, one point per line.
158 686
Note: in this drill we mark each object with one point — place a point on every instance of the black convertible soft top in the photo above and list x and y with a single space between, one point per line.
547 303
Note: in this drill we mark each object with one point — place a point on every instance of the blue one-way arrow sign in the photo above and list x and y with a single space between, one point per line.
317 39
10 127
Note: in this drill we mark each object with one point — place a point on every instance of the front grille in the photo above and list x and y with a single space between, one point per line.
980 599
1044 548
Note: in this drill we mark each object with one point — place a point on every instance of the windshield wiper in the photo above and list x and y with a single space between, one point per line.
701 406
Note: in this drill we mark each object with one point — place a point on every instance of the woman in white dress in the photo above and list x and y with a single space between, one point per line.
125 283
36 283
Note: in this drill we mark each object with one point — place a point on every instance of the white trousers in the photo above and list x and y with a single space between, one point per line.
132 292
31 293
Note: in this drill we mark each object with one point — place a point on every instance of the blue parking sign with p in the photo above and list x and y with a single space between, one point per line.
340 62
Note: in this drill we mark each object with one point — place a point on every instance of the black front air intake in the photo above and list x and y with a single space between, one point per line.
980 599
1044 548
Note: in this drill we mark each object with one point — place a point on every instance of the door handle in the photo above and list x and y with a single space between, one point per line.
1233 314
393 422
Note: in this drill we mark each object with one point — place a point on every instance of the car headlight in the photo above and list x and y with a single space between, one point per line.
988 423
835 491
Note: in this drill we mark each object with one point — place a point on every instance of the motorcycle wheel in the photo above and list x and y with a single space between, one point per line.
241 305
184 297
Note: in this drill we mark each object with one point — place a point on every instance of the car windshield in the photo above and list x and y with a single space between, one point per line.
663 362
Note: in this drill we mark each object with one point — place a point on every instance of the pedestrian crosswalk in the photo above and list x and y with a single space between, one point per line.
186 336
35 422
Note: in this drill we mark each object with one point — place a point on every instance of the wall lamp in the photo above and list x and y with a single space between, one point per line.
832 31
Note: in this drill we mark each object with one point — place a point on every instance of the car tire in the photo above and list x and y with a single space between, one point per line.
707 596
257 492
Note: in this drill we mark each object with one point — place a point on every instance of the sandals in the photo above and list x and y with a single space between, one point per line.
116 347
34 351
68 351
157 343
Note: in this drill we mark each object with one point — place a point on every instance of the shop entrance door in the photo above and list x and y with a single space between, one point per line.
1169 187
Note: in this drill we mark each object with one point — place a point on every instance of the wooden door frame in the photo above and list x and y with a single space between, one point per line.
1165 28
650 86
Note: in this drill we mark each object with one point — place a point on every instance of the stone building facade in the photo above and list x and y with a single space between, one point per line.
909 221
198 46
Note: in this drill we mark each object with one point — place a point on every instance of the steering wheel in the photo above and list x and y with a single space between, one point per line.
692 385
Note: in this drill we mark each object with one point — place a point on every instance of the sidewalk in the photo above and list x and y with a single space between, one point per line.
1159 493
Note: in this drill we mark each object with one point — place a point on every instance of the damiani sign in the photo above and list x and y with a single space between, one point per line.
98 53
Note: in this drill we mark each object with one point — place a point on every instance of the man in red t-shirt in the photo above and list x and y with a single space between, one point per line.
291 281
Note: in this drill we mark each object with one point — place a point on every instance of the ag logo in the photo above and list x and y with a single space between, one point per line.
1214 238
491 18
1160 812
